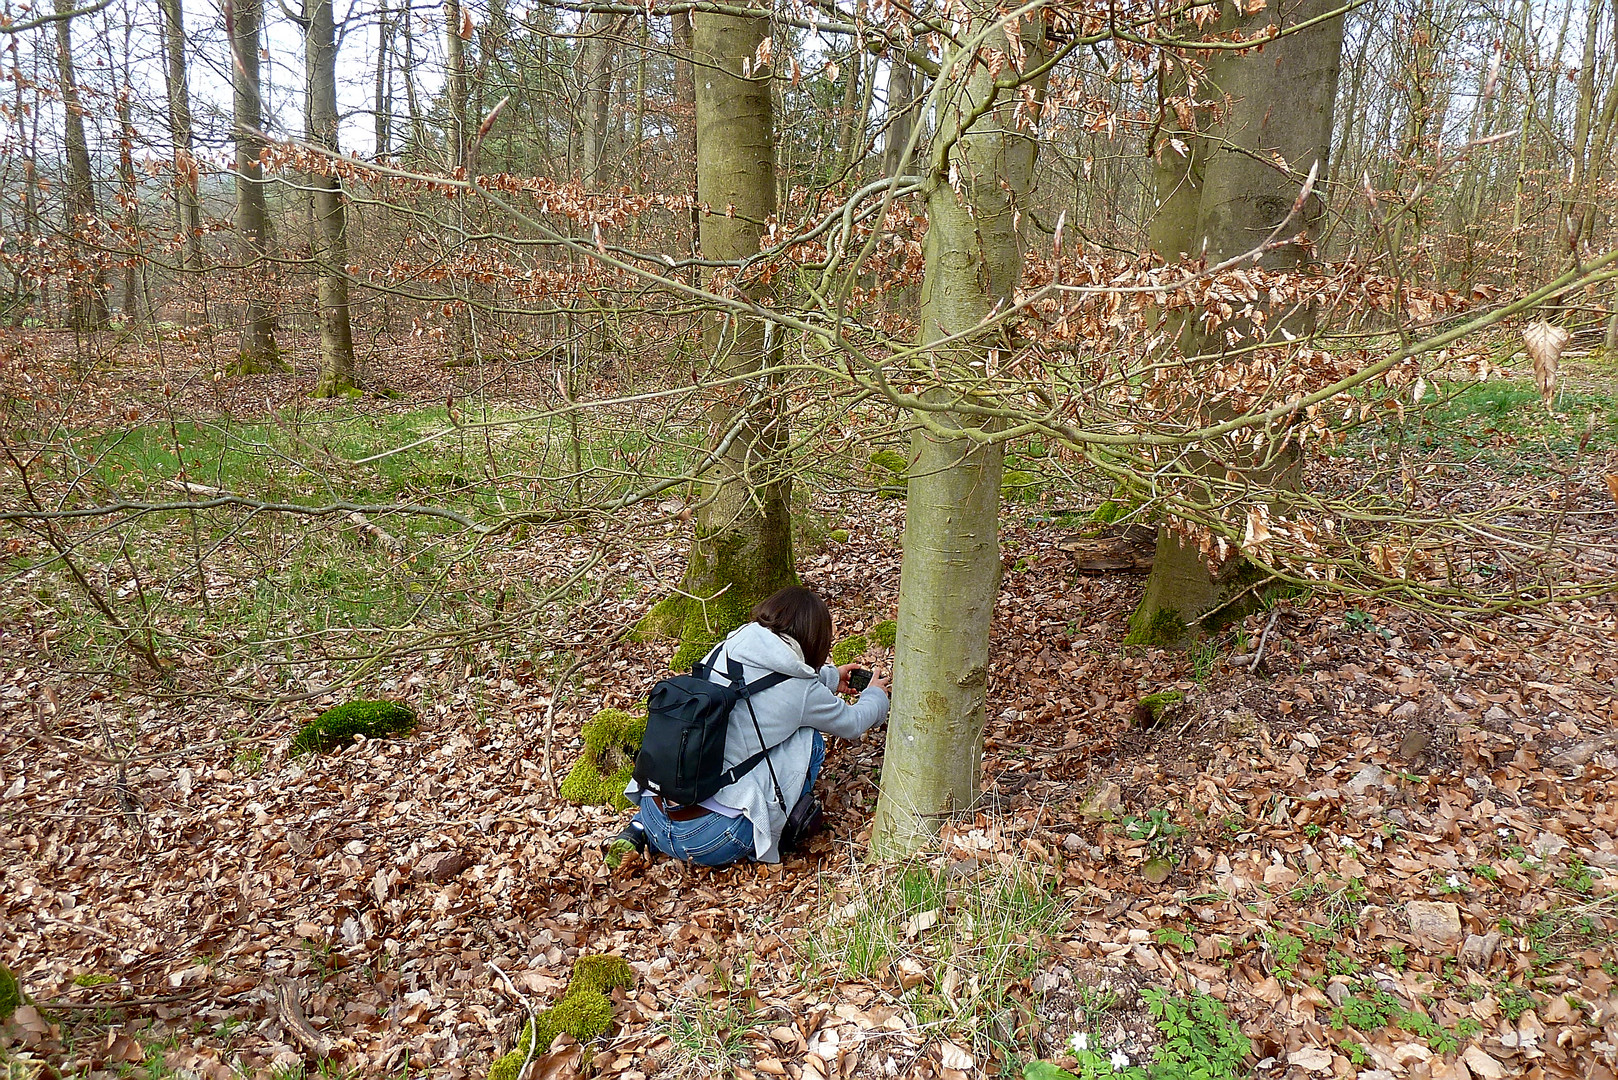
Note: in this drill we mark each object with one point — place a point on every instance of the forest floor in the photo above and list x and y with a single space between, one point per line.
1389 846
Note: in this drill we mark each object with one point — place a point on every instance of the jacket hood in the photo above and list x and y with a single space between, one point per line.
762 648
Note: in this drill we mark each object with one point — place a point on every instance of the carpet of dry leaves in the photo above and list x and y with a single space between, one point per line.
413 898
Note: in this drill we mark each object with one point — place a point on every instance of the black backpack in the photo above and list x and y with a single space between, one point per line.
682 756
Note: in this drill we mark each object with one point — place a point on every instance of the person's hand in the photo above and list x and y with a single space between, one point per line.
842 678
879 680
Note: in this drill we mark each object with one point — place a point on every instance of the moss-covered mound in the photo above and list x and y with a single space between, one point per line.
1150 710
337 727
1016 484
888 469
849 649
611 740
839 536
584 1012
886 633
10 993
599 973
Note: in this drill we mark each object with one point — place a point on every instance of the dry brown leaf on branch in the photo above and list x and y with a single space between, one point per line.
1545 343
1612 486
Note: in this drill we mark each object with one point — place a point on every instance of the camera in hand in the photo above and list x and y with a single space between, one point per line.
859 679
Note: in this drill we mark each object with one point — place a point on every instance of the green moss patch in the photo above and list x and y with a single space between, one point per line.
849 649
1150 710
10 993
1164 629
337 727
599 973
1016 484
584 1012
888 472
886 633
612 738
838 536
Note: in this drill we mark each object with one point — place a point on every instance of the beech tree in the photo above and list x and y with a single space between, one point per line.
337 375
1230 188
742 550
87 301
258 350
977 183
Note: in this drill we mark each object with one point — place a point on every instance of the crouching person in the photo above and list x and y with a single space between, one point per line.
728 766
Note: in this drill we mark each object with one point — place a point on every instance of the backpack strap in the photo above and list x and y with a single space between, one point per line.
747 690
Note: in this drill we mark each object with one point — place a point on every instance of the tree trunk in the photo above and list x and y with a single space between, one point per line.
685 115
1244 197
188 211
337 375
87 305
901 113
742 551
382 93
258 352
595 82
458 88
951 570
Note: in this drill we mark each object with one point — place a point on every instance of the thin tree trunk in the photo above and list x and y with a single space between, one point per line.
382 96
901 113
458 88
87 306
258 352
188 210
337 374
685 116
595 81
950 574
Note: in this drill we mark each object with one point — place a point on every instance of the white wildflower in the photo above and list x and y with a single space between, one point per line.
1081 1041
1120 1060
1454 881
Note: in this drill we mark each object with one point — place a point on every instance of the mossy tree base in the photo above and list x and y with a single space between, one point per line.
336 388
1184 600
270 364
737 568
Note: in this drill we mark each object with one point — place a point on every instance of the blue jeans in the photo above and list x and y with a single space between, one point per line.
713 839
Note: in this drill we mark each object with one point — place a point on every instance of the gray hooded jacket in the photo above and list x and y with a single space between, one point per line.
788 714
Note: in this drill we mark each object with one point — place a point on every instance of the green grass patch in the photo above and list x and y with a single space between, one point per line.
956 943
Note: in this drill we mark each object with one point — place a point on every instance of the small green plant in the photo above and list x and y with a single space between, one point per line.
337 727
1513 1000
1397 959
1371 1013
1204 655
1578 877
1356 1053
1167 935
1358 620
93 978
886 633
1340 963
1286 950
1200 1042
1155 827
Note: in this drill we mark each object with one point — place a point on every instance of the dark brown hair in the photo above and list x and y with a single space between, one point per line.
797 611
